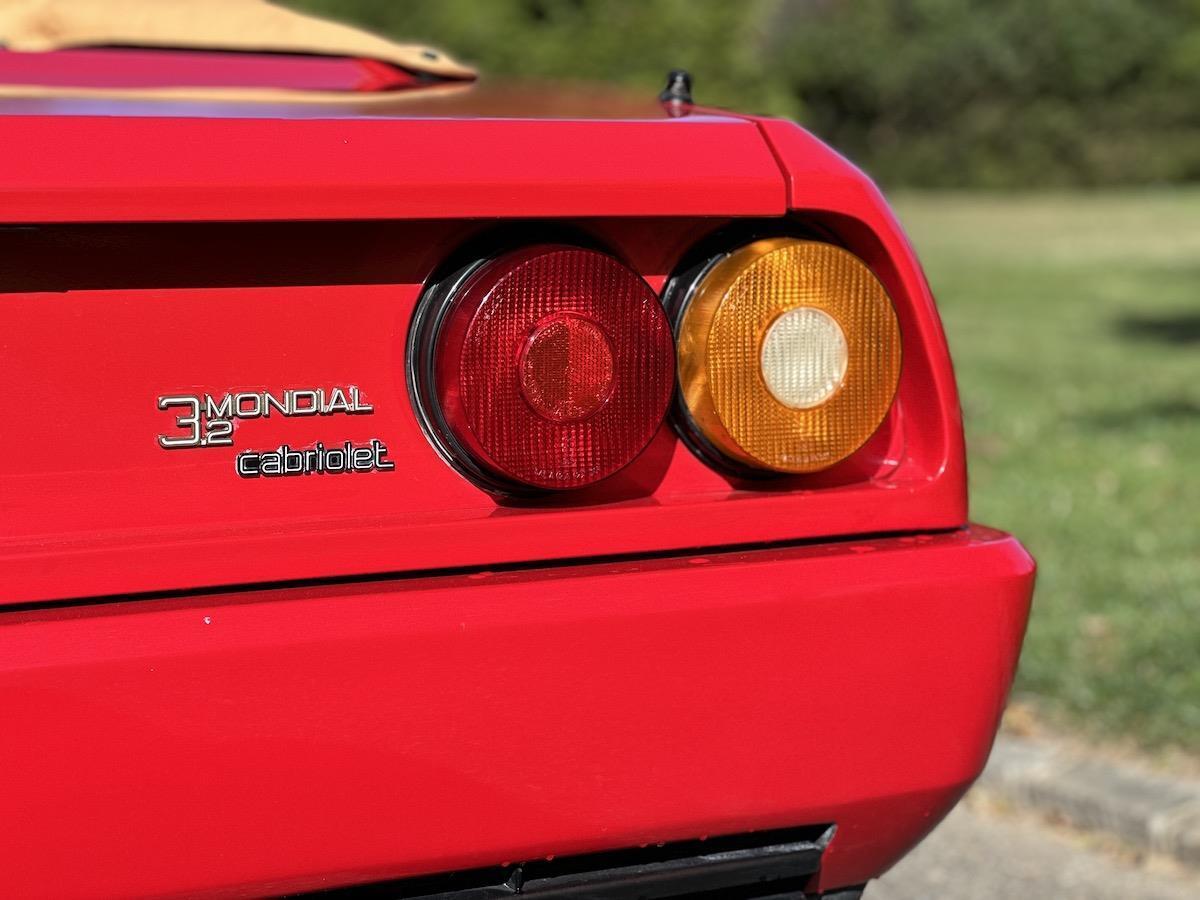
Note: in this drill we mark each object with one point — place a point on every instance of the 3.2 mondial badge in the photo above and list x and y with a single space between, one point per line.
204 420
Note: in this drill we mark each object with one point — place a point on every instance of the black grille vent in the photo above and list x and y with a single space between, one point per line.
764 864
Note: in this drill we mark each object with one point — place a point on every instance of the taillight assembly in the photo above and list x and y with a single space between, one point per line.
789 356
544 368
552 367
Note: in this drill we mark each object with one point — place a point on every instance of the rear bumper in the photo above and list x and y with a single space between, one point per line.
308 737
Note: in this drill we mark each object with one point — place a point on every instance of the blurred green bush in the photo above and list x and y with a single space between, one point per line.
996 94
946 93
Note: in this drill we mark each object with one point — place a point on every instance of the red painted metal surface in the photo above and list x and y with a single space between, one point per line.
245 742
291 739
90 504
97 169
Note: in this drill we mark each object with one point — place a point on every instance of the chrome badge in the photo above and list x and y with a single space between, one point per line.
204 420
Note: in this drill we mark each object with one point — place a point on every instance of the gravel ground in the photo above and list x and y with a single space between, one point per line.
975 855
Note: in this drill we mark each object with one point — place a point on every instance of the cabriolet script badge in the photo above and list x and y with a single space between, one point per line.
208 421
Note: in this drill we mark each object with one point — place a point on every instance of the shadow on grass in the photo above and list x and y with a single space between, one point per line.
1175 409
1165 329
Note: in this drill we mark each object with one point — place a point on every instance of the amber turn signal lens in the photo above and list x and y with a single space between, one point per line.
789 355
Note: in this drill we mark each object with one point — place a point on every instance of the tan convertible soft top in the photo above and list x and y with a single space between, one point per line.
239 25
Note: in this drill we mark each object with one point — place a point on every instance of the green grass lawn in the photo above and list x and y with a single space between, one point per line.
1074 322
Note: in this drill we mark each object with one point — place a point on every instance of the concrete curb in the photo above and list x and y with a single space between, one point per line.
1149 811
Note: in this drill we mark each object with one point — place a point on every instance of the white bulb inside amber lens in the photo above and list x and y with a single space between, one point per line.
804 357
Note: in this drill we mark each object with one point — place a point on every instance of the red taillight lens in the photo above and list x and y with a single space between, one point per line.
552 367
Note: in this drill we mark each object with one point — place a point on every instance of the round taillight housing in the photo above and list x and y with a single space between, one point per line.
546 368
789 356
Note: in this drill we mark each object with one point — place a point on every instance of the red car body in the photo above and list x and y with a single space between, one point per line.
212 686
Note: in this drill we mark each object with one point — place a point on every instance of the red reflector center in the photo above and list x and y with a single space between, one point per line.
567 368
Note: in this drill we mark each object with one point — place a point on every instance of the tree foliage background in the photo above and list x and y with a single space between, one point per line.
947 93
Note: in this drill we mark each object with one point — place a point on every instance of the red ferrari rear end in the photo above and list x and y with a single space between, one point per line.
488 492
